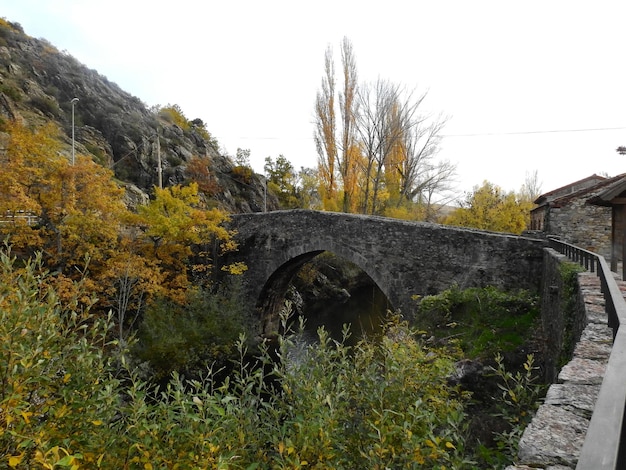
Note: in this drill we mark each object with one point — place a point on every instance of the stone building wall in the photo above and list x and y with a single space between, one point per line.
584 225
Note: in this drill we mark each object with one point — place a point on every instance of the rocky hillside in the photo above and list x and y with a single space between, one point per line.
38 83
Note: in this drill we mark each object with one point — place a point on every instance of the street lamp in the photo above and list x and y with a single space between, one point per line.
74 101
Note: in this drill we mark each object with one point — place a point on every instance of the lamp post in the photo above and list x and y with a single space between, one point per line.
74 101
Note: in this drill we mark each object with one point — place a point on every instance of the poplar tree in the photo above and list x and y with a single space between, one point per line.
326 128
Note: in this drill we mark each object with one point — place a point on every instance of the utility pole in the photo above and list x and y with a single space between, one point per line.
74 101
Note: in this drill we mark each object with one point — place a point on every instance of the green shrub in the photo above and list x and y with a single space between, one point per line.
70 398
174 115
517 403
46 105
11 91
484 321
381 405
174 337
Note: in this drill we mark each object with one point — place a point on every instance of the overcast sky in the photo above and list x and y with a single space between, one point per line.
534 85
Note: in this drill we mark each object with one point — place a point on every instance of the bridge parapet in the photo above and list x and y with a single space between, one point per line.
605 439
405 259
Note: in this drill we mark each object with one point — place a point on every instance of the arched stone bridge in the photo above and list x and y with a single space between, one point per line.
403 258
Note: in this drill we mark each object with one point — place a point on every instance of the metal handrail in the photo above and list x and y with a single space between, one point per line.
605 441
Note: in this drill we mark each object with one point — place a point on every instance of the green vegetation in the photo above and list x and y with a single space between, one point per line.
483 322
182 338
489 324
281 180
71 398
11 91
518 399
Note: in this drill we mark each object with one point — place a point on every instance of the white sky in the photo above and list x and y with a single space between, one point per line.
510 75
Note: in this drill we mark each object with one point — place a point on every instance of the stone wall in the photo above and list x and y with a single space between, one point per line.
584 225
563 316
555 437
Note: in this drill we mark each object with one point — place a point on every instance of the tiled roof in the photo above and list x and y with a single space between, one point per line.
587 182
592 191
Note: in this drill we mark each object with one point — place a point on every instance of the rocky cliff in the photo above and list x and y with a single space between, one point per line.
38 83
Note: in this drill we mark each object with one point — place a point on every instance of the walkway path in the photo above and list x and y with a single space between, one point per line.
555 437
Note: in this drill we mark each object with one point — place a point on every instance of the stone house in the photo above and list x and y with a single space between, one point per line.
569 214
613 197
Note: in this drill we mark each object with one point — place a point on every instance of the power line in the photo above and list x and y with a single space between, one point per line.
554 131
478 134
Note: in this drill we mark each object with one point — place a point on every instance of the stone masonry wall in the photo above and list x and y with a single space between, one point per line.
561 329
555 437
583 225
403 258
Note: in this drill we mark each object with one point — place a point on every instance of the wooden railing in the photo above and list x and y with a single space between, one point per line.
605 443
12 217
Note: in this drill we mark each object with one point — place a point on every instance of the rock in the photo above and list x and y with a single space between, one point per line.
111 125
554 437
467 372
134 197
583 371
579 399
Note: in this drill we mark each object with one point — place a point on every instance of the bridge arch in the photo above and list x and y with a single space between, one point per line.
403 258
272 294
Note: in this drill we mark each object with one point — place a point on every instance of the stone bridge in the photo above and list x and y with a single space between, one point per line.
403 258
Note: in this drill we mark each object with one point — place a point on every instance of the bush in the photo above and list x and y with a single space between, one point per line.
63 403
46 105
69 398
484 321
518 401
378 405
242 174
56 393
12 92
174 115
185 337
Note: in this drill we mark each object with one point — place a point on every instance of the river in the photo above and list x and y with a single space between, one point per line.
365 311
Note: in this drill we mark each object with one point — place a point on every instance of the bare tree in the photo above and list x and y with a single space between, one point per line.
531 189
386 116
369 125
125 288
424 180
435 189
